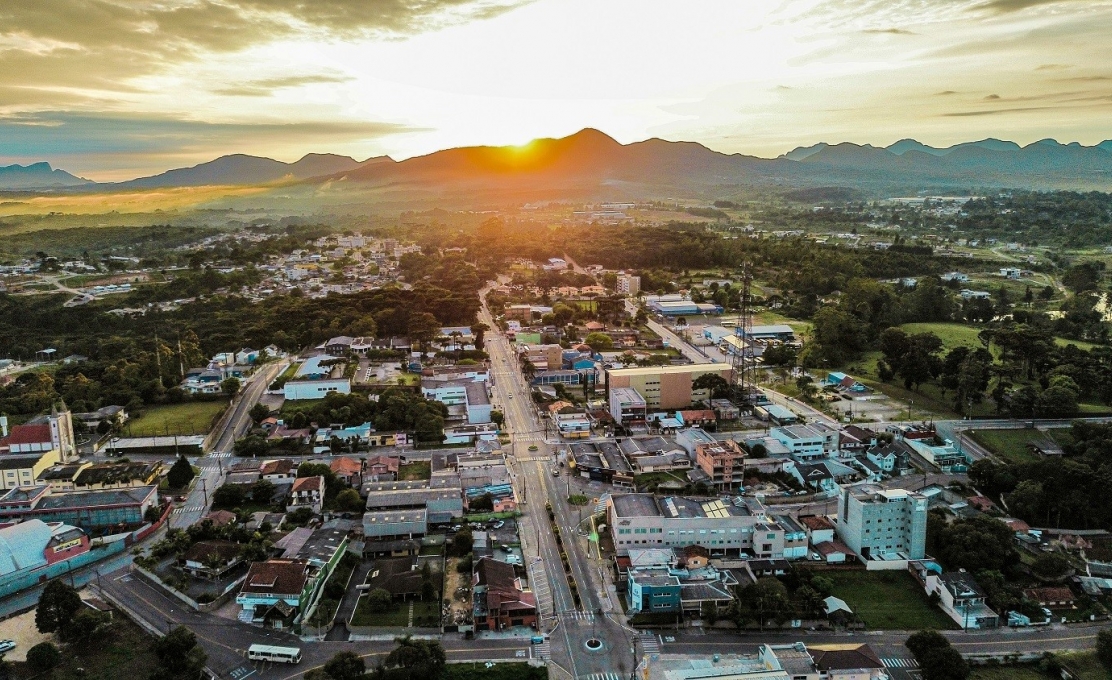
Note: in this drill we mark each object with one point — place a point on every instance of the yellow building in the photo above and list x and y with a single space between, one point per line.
667 387
17 471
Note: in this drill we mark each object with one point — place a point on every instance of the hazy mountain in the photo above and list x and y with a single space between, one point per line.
37 176
801 152
244 169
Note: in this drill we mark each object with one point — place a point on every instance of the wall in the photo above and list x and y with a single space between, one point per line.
22 581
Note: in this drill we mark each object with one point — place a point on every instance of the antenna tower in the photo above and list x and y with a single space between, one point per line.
741 354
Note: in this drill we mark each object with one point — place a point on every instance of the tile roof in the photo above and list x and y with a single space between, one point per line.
308 484
836 658
29 434
285 577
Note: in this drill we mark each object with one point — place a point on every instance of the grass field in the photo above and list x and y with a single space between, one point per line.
1008 673
191 417
951 334
124 652
418 469
1084 666
887 600
123 202
398 617
1011 445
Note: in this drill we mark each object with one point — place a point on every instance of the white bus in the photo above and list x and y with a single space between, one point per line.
278 654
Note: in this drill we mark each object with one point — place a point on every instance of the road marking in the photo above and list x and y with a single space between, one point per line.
899 662
650 643
223 454
604 676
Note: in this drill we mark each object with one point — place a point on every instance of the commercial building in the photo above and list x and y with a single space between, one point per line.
573 425
883 524
627 405
89 510
315 389
666 387
722 527
23 470
466 399
807 442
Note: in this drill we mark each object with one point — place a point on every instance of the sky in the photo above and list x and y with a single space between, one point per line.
115 89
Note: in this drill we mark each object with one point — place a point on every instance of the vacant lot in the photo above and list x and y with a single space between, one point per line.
1084 665
1009 673
191 417
418 469
888 600
1011 445
123 651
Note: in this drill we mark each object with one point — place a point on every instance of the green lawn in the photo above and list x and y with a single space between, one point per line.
951 334
887 600
426 614
124 651
499 671
191 417
1008 673
398 617
418 469
1010 445
1084 665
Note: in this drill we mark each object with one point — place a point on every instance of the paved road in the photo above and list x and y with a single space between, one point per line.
226 640
571 627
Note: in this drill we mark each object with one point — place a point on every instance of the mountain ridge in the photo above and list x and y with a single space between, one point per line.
37 176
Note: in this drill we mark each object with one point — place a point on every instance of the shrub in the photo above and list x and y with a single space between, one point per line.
43 656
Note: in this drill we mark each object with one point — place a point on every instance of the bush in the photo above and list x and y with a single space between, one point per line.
43 656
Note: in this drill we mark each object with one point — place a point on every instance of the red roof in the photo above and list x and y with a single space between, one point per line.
816 522
827 548
346 466
29 434
276 576
308 484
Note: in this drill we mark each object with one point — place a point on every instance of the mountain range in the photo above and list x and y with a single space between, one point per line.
591 163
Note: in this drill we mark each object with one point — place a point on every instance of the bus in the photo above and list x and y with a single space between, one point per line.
278 654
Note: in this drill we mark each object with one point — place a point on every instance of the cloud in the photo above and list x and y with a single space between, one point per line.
1008 6
890 31
265 86
945 93
992 96
1053 67
993 112
104 45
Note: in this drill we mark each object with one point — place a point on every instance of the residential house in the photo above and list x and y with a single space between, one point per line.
278 469
381 469
275 583
499 600
307 492
348 470
210 559
960 597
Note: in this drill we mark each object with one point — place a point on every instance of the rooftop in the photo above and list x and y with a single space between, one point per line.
280 576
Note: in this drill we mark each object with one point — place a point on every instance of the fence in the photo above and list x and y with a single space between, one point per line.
218 602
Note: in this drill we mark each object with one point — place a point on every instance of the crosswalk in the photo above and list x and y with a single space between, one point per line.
538 580
603 676
542 651
650 643
191 508
220 454
578 616
899 662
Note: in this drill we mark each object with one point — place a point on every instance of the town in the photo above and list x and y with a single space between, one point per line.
429 456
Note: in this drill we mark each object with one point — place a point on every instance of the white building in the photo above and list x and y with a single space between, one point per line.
315 389
628 284
883 524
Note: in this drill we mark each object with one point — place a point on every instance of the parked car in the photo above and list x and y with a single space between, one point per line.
6 646
499 524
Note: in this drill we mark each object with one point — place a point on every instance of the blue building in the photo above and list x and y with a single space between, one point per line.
88 510
653 589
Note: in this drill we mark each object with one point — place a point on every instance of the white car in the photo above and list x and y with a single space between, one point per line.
6 646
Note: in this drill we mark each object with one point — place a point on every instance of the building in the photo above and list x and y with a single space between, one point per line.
210 559
666 387
113 415
883 524
465 399
95 477
89 510
722 461
348 470
573 425
442 497
961 597
34 545
807 442
628 284
499 601
23 470
738 527
627 405
273 592
315 389
307 492
41 435
390 525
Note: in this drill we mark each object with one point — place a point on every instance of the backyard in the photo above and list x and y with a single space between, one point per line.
191 417
887 600
425 615
416 470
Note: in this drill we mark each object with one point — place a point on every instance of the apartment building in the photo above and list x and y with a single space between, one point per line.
722 461
883 524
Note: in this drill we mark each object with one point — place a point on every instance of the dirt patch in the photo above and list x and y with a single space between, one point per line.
457 590
21 629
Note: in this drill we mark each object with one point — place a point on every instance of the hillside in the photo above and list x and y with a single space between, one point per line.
241 169
37 176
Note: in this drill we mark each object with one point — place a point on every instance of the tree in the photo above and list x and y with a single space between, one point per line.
483 503
152 514
462 542
1056 402
57 605
765 601
1104 648
599 342
179 654
423 659
976 543
924 641
806 385
259 413
943 663
262 491
230 386
380 600
85 625
180 474
1050 566
497 417
43 656
251 446
711 381
349 500
345 666
229 496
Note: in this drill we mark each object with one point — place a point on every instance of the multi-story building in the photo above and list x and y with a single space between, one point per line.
723 528
723 461
307 492
465 399
803 441
41 435
628 284
89 510
882 524
626 405
666 387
